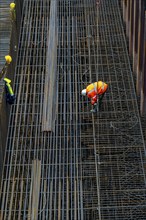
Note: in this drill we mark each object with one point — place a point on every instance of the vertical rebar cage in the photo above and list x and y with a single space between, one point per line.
91 166
5 30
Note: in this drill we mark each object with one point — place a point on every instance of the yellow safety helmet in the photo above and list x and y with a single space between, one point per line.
8 59
12 5
7 80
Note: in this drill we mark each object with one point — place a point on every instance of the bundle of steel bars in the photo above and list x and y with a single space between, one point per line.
92 165
50 90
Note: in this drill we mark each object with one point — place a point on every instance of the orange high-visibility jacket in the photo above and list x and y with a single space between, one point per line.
96 88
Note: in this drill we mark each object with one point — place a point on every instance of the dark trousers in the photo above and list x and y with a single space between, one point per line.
98 104
100 99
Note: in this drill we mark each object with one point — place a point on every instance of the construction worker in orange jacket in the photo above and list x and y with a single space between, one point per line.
95 91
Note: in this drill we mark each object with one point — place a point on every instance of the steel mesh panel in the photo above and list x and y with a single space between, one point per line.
5 30
92 166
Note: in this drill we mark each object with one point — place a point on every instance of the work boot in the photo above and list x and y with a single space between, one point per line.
92 110
95 109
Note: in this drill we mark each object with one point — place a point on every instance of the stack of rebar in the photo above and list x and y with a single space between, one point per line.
92 165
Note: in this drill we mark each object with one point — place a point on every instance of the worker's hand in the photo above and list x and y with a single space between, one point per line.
95 98
93 101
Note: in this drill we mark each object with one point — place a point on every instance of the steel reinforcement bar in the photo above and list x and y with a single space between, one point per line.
92 165
5 30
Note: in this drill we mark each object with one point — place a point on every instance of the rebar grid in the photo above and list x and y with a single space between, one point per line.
92 166
5 35
5 30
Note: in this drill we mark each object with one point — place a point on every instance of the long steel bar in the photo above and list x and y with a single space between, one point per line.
50 78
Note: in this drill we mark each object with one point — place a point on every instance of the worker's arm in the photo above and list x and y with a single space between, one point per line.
94 99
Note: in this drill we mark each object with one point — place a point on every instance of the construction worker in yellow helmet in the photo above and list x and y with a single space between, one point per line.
10 97
95 91
8 59
13 11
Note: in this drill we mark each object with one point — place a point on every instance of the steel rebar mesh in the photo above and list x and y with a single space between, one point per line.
5 30
92 166
5 35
